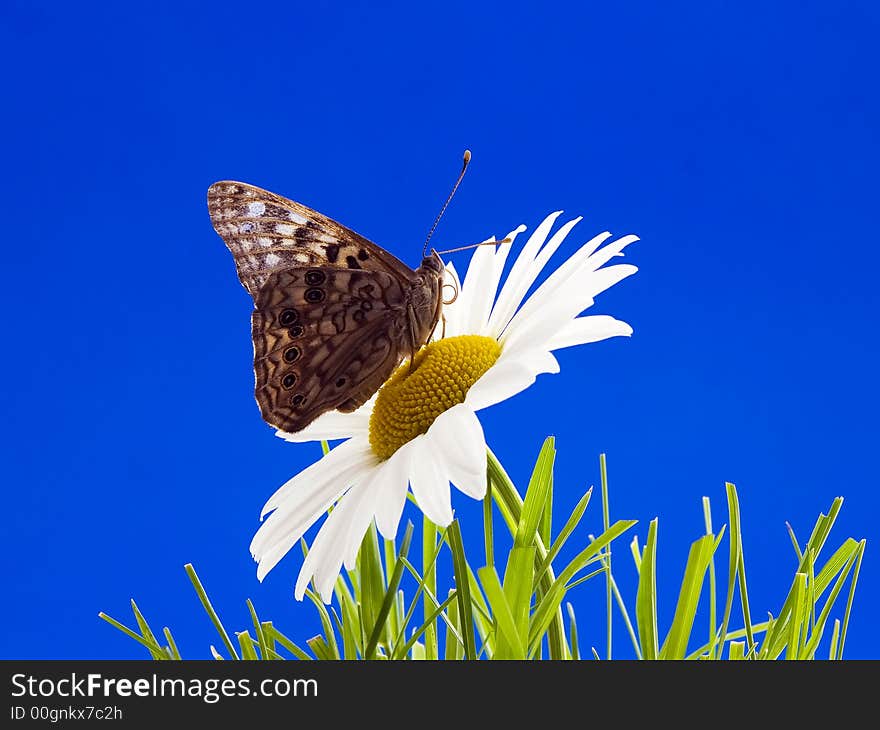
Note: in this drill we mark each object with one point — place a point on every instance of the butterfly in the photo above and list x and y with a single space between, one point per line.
334 314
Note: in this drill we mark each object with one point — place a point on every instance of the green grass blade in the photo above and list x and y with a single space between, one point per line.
453 649
510 506
569 527
835 638
274 636
675 645
834 564
794 542
321 649
796 623
777 637
735 538
390 558
172 645
147 632
634 550
258 630
550 602
351 646
713 627
646 597
246 644
508 643
536 495
481 613
810 647
518 587
823 525
390 598
429 542
372 580
572 632
209 609
462 585
428 563
545 526
151 646
621 604
606 522
738 634
849 600
453 595
737 650
488 526
329 644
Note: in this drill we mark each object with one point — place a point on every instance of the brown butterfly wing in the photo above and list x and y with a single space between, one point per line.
324 338
267 233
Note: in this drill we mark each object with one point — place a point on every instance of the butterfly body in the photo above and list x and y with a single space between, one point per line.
334 314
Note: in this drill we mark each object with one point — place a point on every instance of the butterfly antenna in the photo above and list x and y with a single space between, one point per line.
465 162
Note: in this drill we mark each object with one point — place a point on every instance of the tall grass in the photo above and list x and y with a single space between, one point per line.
514 606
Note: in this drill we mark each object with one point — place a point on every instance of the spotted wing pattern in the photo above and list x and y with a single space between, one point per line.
324 338
267 233
334 313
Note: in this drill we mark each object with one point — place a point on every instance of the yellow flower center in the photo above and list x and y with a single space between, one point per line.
440 377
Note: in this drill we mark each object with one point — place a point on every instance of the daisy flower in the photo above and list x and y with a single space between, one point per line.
420 430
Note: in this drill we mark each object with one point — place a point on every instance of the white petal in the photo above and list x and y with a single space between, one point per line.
391 499
577 274
347 458
458 443
594 328
498 268
553 285
519 282
504 379
605 254
548 311
324 560
475 292
290 520
367 501
430 487
334 425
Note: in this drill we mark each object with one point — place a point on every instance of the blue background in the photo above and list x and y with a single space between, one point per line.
739 140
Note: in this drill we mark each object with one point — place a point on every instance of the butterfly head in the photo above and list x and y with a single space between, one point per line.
433 263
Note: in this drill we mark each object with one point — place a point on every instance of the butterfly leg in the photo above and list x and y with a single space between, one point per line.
412 337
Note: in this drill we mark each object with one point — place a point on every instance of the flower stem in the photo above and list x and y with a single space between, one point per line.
510 504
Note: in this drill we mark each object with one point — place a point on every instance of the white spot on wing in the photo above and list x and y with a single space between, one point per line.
256 208
272 259
246 227
297 218
263 241
326 238
284 230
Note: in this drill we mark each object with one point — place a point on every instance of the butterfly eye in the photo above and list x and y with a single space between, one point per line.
296 330
313 296
340 382
288 317
297 400
291 354
288 381
315 278
366 306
